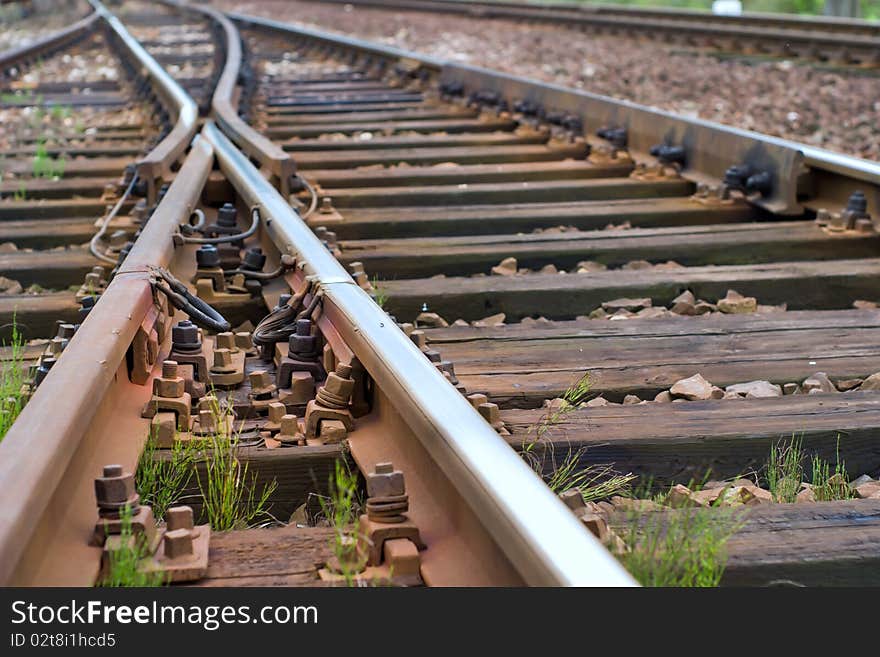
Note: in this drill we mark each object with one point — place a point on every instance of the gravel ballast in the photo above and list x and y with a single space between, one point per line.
835 110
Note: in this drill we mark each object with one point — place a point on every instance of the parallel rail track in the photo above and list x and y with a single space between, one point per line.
422 175
825 39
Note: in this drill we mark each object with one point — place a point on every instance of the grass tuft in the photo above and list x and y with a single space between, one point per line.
124 567
341 508
228 490
162 476
682 547
785 471
830 485
12 379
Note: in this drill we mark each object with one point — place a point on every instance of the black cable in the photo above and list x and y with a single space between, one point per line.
180 297
223 239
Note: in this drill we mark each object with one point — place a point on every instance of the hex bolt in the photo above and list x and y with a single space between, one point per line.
227 215
385 481
490 412
573 499
857 204
289 425
337 389
207 421
114 490
207 257
302 343
326 206
169 369
178 543
222 362
243 340
276 411
226 341
66 331
179 517
477 398
254 259
356 268
185 337
419 338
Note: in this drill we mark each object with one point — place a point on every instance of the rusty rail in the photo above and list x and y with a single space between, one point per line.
46 499
157 165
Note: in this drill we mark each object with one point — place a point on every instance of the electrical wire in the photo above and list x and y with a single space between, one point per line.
93 243
223 239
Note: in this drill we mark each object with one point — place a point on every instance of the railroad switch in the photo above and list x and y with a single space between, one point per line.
179 550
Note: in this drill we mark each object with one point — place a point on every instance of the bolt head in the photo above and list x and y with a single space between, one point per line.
178 543
385 481
179 517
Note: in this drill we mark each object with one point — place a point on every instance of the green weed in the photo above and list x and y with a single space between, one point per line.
785 471
341 508
12 379
124 563
380 294
681 547
228 490
45 166
830 485
162 476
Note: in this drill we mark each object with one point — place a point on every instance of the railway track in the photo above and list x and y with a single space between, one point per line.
520 238
838 41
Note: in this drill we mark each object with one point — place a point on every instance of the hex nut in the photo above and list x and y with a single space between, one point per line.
385 481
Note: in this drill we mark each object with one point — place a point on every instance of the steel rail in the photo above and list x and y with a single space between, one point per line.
270 156
47 44
848 35
67 428
157 165
710 147
531 526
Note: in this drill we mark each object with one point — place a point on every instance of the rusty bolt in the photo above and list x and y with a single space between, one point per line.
115 489
326 206
93 280
243 340
419 338
179 517
477 399
178 543
356 268
169 384
277 411
226 341
206 420
289 425
222 362
490 413
385 481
